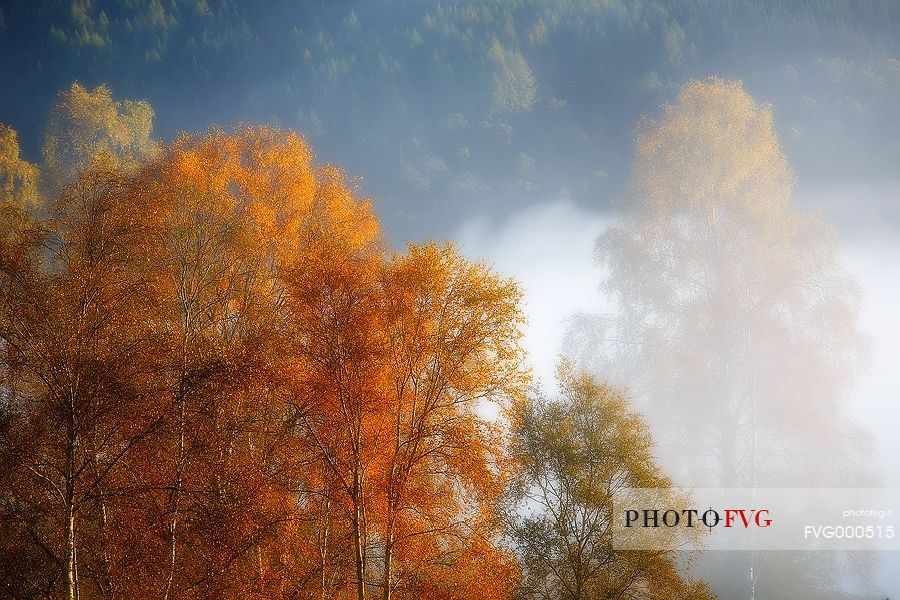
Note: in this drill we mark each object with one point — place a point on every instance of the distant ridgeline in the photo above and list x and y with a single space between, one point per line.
448 107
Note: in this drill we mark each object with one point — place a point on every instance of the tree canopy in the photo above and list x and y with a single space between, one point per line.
217 381
733 322
576 453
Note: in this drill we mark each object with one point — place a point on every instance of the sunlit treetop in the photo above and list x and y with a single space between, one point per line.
715 147
18 178
267 176
89 127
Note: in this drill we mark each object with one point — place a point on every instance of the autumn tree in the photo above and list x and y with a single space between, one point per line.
394 357
217 382
89 126
78 348
18 178
515 89
234 212
213 510
452 342
333 299
576 453
733 322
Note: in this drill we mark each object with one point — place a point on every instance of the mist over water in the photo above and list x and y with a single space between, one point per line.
548 249
561 278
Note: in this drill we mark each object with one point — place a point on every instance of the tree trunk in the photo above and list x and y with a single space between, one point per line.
70 579
359 542
323 539
388 553
360 556
70 572
175 496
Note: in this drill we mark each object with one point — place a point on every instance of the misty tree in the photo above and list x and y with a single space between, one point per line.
88 127
576 452
515 89
734 325
18 178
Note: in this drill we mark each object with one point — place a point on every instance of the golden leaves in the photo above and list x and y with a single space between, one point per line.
294 392
88 127
18 178
715 148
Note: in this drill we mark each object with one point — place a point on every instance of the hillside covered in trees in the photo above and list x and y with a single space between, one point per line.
449 108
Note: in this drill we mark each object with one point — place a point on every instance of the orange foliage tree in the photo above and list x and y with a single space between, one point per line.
79 362
452 332
217 382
